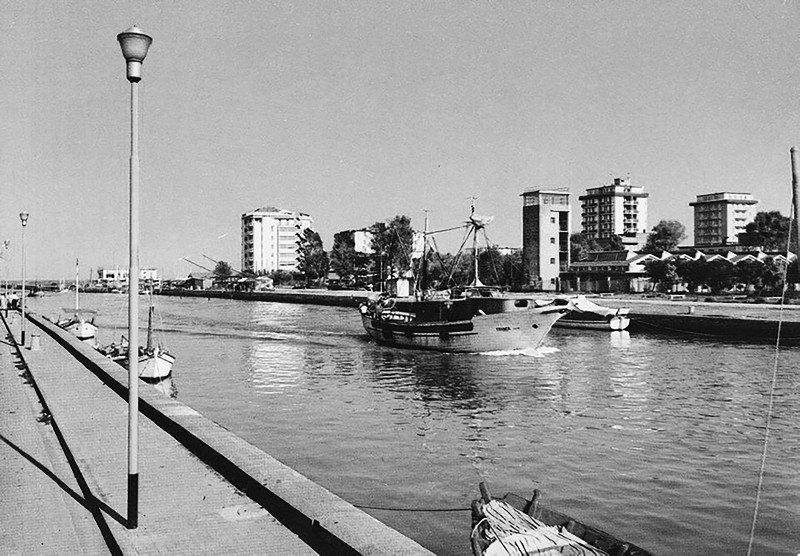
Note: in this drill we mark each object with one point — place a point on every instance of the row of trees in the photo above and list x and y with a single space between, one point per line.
393 242
392 246
762 278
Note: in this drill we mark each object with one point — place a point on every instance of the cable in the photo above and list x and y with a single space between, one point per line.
412 509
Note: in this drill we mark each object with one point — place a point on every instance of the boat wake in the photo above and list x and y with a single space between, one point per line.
541 351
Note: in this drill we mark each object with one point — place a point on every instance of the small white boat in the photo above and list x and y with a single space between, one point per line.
589 315
79 323
155 362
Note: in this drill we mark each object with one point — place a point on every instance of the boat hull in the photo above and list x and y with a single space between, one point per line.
613 323
82 329
155 366
515 330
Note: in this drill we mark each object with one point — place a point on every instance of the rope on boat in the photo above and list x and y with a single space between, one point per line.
771 398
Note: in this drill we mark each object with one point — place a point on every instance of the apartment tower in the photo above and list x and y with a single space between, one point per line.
545 236
616 209
719 218
269 239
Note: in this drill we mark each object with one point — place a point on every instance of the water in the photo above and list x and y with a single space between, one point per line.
655 439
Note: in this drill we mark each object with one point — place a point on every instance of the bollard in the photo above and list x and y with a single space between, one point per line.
35 342
691 309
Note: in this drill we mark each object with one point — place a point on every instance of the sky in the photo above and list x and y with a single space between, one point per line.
357 111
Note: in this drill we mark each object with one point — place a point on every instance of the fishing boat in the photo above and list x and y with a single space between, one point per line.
515 525
479 320
155 362
586 314
476 318
79 322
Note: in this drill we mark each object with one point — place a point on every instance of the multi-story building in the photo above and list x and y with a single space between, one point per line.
117 277
545 236
616 209
719 218
269 239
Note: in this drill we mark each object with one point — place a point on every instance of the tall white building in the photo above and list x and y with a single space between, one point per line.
719 218
545 236
616 209
269 239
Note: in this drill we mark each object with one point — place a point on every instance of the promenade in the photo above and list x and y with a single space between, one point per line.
63 469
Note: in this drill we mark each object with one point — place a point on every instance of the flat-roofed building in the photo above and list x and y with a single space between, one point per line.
545 236
616 209
269 239
719 218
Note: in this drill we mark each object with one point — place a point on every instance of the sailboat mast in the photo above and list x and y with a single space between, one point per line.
424 266
149 347
77 284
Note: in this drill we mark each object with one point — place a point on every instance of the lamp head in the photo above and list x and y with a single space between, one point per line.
134 44
23 216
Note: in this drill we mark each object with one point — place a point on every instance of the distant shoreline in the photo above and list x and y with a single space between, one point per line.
681 316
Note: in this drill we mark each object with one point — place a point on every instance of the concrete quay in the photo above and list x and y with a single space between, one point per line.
63 469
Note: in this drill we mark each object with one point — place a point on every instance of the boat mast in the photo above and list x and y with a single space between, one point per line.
77 284
424 265
149 347
476 283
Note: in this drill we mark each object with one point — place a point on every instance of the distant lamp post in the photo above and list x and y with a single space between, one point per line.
134 45
23 216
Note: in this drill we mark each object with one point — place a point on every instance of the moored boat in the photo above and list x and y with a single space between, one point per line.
155 362
79 323
514 525
589 315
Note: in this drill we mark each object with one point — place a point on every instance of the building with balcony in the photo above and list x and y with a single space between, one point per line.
545 237
617 209
719 218
269 239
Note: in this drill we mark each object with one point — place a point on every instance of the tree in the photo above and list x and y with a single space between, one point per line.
581 245
720 275
312 260
222 270
666 236
663 272
769 230
343 254
393 242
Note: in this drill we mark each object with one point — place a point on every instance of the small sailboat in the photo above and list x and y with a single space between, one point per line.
155 362
79 323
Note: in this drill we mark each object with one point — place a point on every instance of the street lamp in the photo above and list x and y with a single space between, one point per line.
134 45
23 216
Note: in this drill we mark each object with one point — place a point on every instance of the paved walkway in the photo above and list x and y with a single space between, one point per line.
184 506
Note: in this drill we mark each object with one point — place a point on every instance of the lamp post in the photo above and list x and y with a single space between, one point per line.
134 45
23 216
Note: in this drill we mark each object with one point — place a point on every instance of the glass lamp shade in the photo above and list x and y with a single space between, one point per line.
134 44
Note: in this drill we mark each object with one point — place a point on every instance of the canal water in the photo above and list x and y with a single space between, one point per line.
656 439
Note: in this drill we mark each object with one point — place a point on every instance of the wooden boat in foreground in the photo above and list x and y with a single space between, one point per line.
514 525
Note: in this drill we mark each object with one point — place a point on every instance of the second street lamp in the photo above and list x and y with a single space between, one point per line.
23 216
134 44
